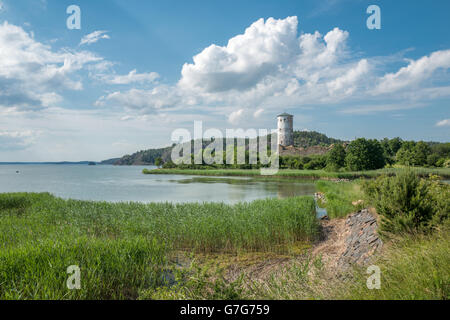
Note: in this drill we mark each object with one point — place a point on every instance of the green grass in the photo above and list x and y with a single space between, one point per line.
122 248
110 269
414 267
339 197
307 174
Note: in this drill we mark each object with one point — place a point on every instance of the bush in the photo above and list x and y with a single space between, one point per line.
406 202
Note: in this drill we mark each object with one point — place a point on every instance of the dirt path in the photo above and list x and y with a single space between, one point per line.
342 244
331 245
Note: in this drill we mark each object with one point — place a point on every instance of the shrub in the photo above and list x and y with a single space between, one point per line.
406 202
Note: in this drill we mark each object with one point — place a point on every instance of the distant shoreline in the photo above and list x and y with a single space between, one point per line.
60 163
304 174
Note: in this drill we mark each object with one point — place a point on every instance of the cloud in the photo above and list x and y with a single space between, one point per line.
258 113
443 123
94 37
143 101
416 72
132 77
16 140
236 116
350 79
370 109
31 74
246 59
268 62
271 66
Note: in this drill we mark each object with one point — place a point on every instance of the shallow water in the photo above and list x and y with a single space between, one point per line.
127 183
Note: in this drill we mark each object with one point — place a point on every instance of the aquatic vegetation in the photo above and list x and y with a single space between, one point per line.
340 197
122 248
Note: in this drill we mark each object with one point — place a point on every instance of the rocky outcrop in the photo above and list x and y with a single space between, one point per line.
348 242
361 239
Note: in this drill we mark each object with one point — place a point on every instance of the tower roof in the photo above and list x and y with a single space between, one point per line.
285 115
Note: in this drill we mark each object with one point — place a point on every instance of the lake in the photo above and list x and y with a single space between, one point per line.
127 183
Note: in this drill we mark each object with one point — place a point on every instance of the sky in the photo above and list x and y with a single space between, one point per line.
136 71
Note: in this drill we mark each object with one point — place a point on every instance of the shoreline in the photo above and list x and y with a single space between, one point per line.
443 173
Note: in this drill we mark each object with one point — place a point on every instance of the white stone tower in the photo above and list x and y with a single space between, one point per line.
285 129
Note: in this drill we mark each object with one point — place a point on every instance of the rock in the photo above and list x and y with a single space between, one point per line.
362 241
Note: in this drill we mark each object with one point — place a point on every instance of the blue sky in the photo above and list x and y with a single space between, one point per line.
128 78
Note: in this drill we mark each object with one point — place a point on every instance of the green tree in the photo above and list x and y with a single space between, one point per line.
395 145
158 162
405 155
336 157
421 153
363 154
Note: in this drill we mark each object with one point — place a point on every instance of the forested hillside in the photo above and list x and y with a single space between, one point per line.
307 139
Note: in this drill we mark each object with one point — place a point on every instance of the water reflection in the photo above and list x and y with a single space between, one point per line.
283 188
114 184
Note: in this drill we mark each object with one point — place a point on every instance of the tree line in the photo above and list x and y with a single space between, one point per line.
360 154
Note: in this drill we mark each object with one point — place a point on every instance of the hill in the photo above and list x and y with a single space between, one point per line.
306 139
302 139
143 157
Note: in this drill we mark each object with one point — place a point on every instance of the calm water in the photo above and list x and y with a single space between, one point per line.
117 183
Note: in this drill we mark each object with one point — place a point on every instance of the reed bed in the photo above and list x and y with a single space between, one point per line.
339 197
122 248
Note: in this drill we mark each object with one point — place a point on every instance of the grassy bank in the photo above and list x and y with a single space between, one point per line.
306 174
122 248
339 197
413 267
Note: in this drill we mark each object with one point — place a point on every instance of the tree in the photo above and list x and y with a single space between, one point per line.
421 153
405 155
395 145
158 162
363 154
413 154
336 157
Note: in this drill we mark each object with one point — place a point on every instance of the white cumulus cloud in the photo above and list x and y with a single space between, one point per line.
94 37
258 113
144 101
271 66
443 123
246 59
416 72
32 74
132 77
236 116
16 140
